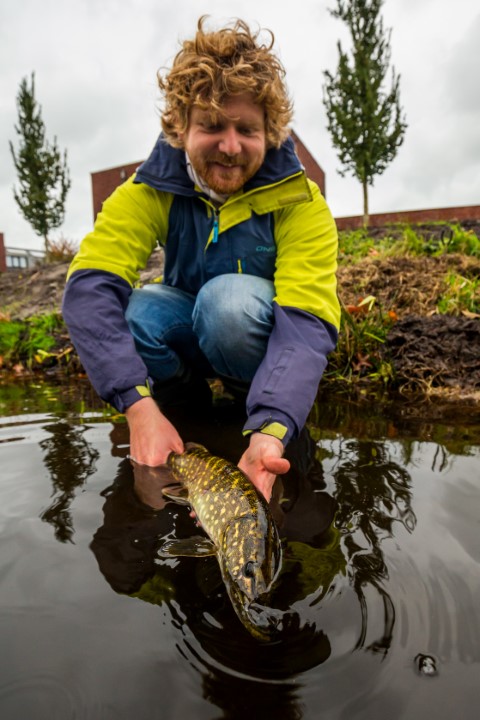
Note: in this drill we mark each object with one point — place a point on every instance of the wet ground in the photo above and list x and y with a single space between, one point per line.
439 352
379 519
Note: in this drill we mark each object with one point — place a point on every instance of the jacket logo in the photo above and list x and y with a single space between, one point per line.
265 248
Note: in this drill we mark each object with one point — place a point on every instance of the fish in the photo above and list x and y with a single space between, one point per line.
240 528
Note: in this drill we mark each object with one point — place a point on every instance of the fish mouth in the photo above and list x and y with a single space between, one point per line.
260 620
264 622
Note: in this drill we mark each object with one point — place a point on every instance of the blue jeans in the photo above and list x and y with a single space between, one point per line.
224 330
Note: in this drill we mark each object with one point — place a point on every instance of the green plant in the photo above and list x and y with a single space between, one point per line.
10 333
39 335
463 241
403 239
363 330
30 340
462 295
354 244
411 241
364 116
43 175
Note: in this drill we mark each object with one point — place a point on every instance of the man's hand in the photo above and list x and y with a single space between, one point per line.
149 483
152 436
262 461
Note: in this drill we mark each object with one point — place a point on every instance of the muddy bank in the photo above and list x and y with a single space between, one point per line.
437 352
408 285
24 293
431 353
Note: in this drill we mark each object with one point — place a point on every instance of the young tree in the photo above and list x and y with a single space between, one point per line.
364 120
43 174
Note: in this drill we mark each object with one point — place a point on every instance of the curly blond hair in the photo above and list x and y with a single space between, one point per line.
219 64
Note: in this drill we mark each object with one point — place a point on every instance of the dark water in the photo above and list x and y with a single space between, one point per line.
380 518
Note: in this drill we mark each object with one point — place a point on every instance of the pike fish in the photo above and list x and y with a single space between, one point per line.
240 528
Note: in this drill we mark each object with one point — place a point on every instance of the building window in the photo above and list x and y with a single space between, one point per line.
16 261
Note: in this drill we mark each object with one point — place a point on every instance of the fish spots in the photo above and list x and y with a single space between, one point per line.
237 520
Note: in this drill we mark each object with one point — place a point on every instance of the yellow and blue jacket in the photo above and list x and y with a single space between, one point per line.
278 227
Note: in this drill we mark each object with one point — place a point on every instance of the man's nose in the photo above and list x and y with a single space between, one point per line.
230 142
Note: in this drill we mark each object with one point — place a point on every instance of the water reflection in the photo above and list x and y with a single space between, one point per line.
137 520
208 634
372 492
332 534
380 582
70 460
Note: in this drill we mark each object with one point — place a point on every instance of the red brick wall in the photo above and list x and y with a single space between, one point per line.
3 259
454 214
104 183
312 168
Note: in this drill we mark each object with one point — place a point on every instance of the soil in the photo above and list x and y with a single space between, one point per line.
438 353
431 353
24 293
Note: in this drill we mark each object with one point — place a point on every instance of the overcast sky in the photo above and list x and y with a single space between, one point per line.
95 63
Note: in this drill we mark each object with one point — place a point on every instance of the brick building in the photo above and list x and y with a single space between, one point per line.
15 258
469 213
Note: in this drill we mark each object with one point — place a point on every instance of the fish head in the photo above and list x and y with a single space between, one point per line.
250 560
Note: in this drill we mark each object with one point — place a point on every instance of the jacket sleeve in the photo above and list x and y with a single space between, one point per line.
307 319
99 285
94 304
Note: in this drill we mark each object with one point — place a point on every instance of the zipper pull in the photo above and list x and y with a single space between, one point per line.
215 228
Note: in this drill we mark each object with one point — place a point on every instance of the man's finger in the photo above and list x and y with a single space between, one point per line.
276 465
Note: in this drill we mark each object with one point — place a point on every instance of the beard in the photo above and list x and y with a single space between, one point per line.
223 173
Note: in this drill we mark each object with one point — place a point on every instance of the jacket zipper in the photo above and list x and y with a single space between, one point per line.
215 226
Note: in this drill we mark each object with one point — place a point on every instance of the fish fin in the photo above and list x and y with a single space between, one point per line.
177 493
192 446
195 546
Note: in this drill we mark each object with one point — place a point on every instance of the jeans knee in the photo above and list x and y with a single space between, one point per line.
137 312
233 318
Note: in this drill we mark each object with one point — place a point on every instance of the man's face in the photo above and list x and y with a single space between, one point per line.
226 150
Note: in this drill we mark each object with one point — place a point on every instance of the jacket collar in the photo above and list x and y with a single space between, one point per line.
166 170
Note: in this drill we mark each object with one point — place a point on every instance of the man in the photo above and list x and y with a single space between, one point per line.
249 290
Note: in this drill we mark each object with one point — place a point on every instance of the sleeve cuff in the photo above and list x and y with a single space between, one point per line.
123 400
276 429
280 428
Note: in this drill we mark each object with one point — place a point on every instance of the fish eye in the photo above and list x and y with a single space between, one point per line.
249 569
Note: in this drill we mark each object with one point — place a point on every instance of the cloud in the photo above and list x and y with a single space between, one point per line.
96 63
461 71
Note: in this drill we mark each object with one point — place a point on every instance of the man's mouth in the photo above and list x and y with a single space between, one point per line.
225 163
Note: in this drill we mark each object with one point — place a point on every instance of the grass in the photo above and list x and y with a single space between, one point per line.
461 297
29 341
364 327
363 330
408 240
